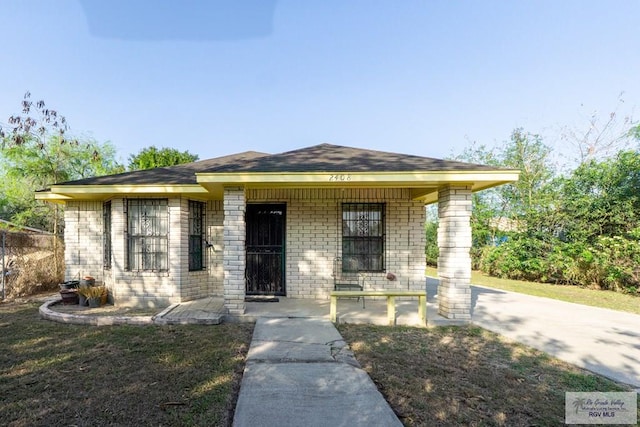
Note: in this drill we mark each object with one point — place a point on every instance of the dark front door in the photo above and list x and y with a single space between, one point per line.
265 249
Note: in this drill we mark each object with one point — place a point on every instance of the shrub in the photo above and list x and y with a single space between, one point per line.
612 263
33 263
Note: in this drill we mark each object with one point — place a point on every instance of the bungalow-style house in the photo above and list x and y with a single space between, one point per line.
273 224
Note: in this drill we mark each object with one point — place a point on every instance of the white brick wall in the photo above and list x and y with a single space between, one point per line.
454 243
234 253
82 235
145 288
314 237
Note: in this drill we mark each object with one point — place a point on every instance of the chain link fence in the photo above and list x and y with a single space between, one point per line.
31 263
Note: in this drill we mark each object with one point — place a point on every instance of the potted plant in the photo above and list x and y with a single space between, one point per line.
93 294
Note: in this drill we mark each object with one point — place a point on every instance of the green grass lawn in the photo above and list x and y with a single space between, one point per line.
75 375
591 297
54 374
452 376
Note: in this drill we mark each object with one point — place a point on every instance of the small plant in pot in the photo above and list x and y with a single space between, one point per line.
93 294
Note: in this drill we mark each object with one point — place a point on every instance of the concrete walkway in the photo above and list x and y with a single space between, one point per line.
603 341
300 372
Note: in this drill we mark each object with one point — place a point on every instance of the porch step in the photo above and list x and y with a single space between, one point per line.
205 311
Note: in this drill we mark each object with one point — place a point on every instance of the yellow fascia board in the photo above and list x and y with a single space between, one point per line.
62 193
48 196
330 179
126 189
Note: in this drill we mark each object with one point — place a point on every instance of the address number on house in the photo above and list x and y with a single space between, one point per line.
340 177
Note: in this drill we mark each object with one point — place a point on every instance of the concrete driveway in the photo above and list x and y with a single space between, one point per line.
603 341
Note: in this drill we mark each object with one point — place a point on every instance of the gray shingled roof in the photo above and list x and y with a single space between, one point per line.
318 158
180 174
336 158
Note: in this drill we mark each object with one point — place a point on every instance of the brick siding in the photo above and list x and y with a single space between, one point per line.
454 260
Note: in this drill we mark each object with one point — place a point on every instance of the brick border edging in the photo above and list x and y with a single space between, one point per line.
78 319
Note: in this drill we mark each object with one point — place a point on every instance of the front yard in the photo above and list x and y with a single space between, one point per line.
54 374
60 375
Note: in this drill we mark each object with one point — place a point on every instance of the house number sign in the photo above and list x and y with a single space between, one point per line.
341 177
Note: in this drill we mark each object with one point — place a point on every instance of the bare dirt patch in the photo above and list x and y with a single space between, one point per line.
105 310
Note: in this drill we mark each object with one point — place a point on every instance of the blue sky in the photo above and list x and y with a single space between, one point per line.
418 77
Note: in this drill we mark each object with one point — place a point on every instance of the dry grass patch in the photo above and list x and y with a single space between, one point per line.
451 376
59 375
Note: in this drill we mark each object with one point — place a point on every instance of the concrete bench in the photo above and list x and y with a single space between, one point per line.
391 302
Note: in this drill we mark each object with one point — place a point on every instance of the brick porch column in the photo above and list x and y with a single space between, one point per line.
454 260
234 255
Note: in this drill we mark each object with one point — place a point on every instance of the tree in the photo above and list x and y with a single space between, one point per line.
488 205
602 198
36 152
527 153
151 157
603 136
36 124
522 205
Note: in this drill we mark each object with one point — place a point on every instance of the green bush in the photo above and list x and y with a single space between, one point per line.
519 258
612 263
431 248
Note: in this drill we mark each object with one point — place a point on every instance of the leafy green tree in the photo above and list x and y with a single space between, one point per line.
602 198
524 205
527 153
488 205
152 157
30 167
36 152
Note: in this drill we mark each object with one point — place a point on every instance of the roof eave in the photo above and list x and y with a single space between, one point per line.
62 193
424 185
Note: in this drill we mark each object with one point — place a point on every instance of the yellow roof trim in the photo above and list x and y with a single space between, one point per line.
132 188
424 185
62 193
354 178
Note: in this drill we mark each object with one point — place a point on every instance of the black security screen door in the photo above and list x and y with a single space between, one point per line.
265 249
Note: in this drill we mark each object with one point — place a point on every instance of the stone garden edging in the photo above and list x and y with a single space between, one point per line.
78 319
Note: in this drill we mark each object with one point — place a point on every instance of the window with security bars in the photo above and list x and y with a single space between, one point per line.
196 235
147 234
106 235
363 237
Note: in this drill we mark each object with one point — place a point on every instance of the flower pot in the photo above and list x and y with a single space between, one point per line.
94 302
82 300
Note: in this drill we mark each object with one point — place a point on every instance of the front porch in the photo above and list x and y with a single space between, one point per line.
208 228
211 311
